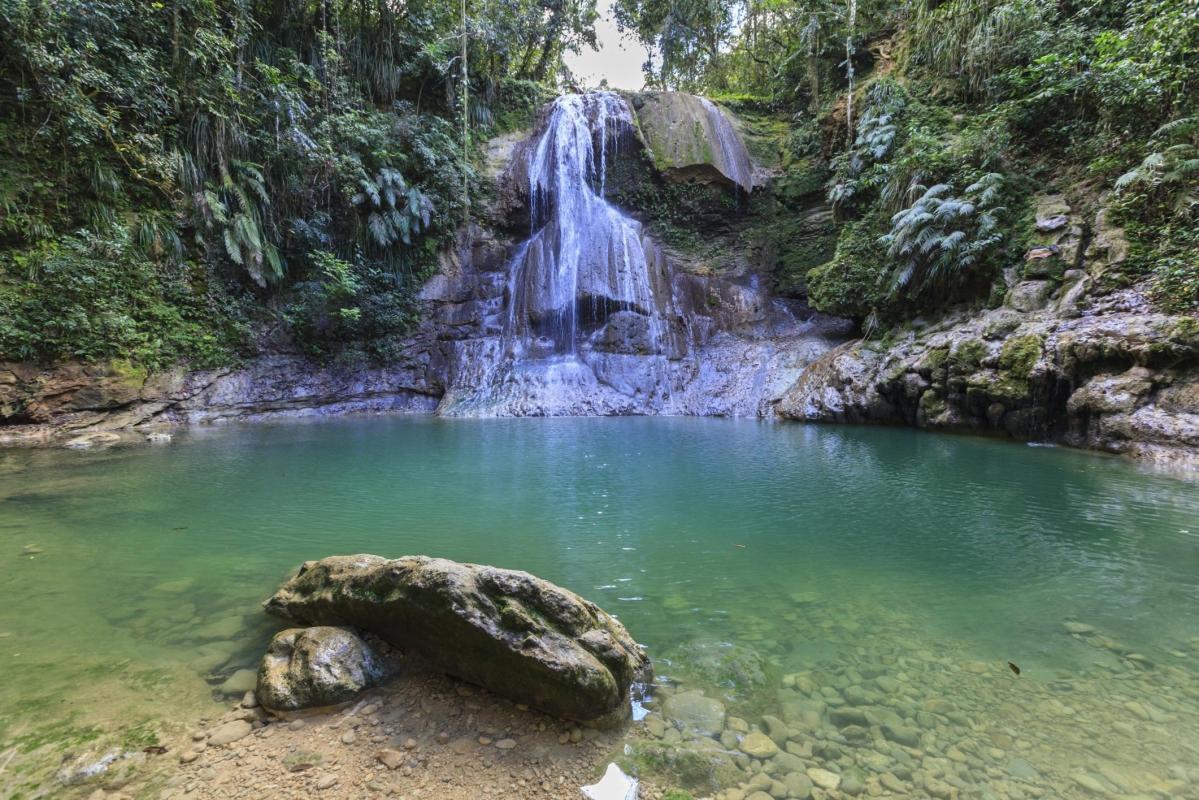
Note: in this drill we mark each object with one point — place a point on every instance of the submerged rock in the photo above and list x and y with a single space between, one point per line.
513 633
315 667
694 712
89 765
240 682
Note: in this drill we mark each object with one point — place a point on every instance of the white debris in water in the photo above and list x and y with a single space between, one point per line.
615 785
88 766
158 437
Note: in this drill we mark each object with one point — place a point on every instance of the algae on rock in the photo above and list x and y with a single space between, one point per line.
519 636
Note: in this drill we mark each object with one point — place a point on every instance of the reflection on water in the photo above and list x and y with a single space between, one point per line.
844 600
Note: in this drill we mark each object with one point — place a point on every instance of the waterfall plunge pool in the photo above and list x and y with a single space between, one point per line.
789 572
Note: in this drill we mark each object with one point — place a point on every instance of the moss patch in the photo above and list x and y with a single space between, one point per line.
1019 355
967 356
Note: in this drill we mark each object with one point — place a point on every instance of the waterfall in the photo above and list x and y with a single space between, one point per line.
850 51
584 329
583 256
586 315
734 158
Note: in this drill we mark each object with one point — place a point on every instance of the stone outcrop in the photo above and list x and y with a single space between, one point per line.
510 632
75 401
1061 360
316 667
1119 378
690 138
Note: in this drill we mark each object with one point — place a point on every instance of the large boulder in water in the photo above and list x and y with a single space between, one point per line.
315 667
515 634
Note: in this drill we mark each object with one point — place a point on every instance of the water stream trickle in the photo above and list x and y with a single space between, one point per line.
734 156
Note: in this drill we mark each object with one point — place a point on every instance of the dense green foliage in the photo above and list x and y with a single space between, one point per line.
939 121
175 176
191 180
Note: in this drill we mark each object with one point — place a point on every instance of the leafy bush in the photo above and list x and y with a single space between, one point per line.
1158 200
92 297
1168 178
350 310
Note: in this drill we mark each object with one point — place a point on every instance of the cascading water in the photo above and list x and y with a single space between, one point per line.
584 254
734 158
587 316
584 264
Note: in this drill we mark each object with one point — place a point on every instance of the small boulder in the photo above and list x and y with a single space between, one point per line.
694 712
1030 295
1054 223
758 745
824 779
315 667
240 682
229 733
391 758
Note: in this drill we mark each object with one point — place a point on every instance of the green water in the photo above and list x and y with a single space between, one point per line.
739 553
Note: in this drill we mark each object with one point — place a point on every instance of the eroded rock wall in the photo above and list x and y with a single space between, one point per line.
1060 361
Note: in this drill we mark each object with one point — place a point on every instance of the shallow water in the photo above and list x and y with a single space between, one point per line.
786 570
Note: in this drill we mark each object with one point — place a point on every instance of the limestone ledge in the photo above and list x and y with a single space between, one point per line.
1115 376
82 404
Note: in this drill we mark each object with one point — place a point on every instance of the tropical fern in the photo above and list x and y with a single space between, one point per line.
155 234
393 212
860 168
941 237
1169 175
235 208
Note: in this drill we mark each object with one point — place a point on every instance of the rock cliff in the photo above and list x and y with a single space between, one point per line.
1062 360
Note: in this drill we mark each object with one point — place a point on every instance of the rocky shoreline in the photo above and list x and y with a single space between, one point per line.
891 715
1117 377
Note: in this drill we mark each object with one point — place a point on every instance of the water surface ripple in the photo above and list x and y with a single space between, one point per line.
839 555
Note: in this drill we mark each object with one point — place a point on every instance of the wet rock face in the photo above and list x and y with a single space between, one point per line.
510 632
69 401
1120 378
1062 360
316 667
690 138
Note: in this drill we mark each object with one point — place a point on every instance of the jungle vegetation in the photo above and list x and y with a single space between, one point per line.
931 123
195 180
182 179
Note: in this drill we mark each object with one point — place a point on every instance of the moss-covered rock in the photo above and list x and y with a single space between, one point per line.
690 138
1020 354
967 356
515 634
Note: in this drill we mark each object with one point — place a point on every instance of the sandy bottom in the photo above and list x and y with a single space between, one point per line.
419 736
